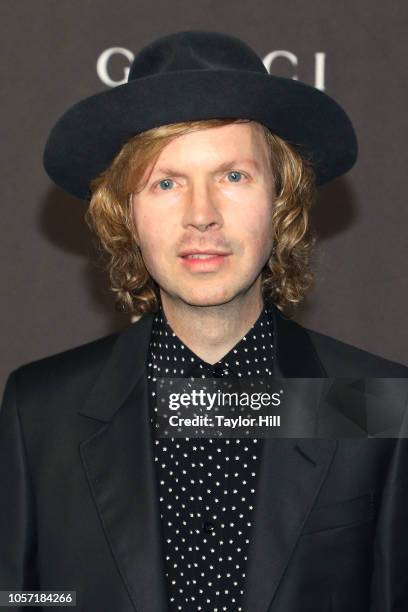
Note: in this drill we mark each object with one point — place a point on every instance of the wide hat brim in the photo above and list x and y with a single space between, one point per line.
89 135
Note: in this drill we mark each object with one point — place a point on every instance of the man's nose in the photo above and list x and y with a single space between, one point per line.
201 206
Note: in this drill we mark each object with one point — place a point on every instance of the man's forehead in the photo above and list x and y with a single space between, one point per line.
216 147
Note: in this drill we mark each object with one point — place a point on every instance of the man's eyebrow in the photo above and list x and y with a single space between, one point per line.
224 166
238 162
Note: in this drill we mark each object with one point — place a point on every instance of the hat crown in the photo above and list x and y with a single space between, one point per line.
195 50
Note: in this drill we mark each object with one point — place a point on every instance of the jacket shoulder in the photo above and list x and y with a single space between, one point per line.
341 359
80 365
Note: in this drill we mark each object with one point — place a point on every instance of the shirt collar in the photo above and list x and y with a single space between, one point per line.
251 356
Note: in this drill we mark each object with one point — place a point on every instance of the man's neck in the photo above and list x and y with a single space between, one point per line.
212 331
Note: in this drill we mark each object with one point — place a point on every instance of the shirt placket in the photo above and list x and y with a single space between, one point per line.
209 530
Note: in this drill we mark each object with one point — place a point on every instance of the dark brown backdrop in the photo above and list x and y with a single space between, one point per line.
54 298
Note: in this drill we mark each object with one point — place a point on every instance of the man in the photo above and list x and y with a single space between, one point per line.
200 173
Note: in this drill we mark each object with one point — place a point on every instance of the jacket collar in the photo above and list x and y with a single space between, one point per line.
295 354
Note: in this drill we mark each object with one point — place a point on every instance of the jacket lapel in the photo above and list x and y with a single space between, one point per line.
291 475
119 465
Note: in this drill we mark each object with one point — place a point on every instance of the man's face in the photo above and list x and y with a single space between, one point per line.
210 190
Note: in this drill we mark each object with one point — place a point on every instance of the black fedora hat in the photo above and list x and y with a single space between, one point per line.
197 75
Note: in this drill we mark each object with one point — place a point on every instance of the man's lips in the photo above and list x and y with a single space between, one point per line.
203 252
213 261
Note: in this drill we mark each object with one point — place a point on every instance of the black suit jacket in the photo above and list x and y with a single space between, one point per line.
80 509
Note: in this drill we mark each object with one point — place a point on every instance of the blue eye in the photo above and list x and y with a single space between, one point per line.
165 182
235 174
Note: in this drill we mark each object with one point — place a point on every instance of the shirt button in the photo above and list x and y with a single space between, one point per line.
208 527
218 372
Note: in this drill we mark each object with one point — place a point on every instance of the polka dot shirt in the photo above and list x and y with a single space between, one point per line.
207 486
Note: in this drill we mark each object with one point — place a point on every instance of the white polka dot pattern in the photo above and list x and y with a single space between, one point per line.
207 486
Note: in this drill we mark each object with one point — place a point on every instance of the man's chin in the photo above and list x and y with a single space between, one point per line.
206 298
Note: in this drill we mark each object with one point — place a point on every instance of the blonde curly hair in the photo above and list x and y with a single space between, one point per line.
285 278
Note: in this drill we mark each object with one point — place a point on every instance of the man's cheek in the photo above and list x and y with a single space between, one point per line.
152 240
258 235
